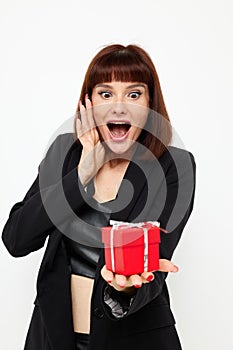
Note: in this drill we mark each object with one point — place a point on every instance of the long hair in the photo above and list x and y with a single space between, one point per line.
132 64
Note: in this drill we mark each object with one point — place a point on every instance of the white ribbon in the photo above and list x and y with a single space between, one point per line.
124 225
145 231
132 224
112 248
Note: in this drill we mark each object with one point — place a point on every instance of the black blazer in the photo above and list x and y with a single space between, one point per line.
160 190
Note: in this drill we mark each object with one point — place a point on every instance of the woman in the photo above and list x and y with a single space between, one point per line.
117 165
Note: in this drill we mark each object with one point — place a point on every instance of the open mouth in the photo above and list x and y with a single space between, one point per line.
118 129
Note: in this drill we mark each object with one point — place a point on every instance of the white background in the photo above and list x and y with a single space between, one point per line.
46 46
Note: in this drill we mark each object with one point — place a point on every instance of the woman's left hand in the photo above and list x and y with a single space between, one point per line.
128 283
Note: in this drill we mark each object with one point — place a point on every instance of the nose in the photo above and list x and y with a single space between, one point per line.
119 108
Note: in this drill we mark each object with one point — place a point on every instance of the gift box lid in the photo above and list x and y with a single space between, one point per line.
133 234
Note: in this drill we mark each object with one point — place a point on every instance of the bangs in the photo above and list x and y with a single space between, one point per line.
120 66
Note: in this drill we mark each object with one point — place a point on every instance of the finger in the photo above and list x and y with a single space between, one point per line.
78 114
135 280
84 119
167 266
79 128
90 117
120 280
88 113
107 274
147 277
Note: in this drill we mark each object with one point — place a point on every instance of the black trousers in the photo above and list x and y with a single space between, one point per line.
163 338
81 341
166 339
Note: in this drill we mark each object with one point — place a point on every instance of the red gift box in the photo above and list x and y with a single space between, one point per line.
131 248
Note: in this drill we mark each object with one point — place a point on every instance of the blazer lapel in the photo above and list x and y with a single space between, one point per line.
141 183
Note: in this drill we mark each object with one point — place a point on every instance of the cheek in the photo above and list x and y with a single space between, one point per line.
100 112
97 112
98 115
103 134
140 117
144 119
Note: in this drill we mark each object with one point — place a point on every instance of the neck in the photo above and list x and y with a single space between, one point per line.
114 163
114 160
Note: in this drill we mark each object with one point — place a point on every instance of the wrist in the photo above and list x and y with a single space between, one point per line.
130 291
121 294
83 177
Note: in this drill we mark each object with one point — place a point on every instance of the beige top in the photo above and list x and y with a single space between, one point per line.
81 292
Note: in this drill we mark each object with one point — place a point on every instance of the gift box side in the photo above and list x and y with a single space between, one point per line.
107 247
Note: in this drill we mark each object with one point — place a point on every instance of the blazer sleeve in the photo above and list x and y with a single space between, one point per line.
43 208
180 182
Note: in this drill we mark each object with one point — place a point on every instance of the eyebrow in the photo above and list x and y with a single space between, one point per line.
128 87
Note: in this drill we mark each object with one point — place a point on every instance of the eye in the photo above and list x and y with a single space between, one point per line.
134 94
105 94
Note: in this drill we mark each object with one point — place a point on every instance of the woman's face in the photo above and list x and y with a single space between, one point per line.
120 112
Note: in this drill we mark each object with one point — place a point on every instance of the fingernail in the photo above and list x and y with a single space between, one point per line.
175 269
150 278
86 96
122 286
109 281
137 285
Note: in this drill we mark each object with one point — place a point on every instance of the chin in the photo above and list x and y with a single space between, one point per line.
120 148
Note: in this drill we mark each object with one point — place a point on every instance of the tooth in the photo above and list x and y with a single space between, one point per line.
118 123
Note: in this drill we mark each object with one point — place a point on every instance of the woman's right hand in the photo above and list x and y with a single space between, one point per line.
93 152
127 284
